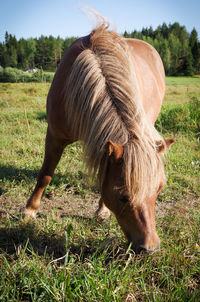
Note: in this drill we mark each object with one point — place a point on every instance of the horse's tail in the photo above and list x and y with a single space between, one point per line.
103 103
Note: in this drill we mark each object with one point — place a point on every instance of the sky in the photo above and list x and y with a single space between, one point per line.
64 18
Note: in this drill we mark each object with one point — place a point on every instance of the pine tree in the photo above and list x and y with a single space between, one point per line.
195 49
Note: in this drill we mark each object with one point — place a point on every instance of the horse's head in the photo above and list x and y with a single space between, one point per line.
137 219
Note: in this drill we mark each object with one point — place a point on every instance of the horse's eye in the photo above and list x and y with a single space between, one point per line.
124 199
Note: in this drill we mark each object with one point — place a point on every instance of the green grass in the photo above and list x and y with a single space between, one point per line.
181 89
65 255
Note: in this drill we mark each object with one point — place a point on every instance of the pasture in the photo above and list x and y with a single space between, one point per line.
65 255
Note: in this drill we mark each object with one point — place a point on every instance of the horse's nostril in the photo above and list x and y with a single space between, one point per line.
150 248
142 250
141 247
137 248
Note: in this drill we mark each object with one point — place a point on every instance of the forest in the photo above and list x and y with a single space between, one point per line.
179 50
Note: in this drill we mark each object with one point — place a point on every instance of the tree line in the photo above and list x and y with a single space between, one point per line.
179 50
44 53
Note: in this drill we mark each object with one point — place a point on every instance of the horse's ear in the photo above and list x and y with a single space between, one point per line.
114 150
161 147
169 142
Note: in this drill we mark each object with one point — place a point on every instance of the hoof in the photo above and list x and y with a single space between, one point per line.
102 214
28 213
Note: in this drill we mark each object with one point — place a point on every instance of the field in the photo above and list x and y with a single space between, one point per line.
65 255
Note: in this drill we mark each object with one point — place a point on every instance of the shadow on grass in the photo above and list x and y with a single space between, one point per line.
12 174
30 238
14 239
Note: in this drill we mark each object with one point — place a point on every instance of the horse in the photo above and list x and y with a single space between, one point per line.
107 92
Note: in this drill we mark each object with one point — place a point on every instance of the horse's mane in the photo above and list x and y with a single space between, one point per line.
103 103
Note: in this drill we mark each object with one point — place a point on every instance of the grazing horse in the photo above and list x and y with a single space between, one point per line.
107 92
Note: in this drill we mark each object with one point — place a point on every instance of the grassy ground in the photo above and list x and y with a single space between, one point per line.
180 89
65 255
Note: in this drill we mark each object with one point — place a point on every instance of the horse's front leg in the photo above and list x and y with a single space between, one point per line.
102 212
53 151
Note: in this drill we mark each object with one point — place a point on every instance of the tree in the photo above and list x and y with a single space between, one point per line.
3 54
164 30
30 51
174 45
22 62
10 51
165 54
59 46
195 49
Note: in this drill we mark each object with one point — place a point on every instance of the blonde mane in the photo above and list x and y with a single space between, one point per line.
103 103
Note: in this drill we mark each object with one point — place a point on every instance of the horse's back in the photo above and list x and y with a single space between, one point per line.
150 76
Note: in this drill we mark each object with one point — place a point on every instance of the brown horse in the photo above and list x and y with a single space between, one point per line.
107 92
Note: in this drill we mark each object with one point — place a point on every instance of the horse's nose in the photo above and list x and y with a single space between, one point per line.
149 245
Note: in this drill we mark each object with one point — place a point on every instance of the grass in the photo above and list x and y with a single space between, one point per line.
181 89
65 255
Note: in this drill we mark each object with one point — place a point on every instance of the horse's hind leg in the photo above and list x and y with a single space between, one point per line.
102 212
53 151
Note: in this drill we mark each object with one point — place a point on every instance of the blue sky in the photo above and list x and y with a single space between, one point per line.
32 18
